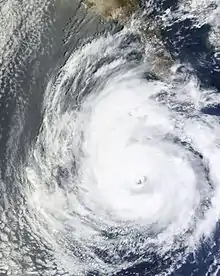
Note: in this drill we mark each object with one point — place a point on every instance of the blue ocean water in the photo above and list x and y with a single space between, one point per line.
27 80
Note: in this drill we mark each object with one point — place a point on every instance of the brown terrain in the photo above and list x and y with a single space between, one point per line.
113 9
121 11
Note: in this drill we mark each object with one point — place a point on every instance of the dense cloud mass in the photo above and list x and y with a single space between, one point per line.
109 140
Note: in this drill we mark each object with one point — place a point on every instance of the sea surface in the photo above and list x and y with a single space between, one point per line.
109 139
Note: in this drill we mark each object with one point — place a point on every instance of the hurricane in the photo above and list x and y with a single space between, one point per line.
120 174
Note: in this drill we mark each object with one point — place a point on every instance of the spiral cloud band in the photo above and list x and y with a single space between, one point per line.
125 166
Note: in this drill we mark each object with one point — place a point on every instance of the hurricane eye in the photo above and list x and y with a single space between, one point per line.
109 138
142 181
